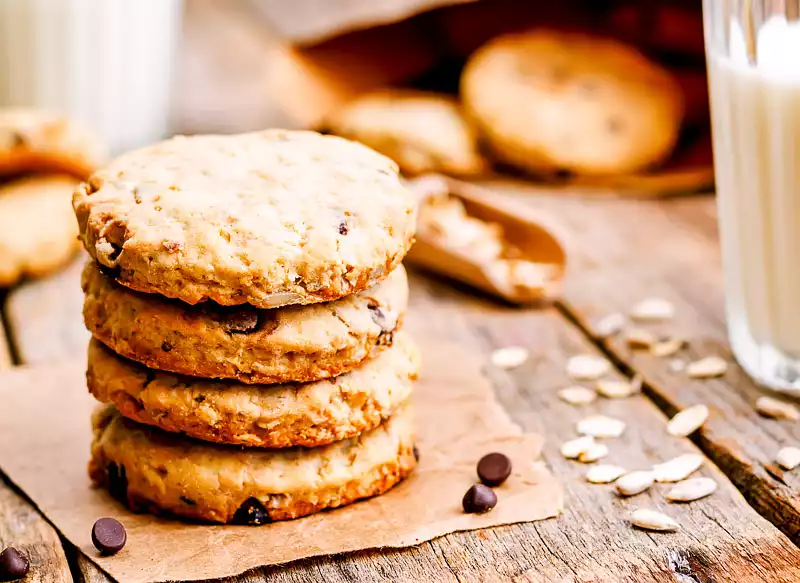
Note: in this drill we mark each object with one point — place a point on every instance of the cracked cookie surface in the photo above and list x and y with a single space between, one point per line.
307 414
288 344
268 218
159 472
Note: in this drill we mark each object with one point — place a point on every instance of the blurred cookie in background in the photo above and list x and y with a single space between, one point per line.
36 141
421 131
553 102
38 232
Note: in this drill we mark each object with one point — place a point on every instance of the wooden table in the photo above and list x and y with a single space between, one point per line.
620 251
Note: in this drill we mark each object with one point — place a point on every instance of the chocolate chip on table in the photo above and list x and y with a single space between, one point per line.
109 536
13 565
251 513
479 499
494 469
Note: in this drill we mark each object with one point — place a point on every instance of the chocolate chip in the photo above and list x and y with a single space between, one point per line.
199 398
148 378
378 316
116 251
479 499
117 481
188 501
239 320
166 346
416 452
13 565
109 536
343 228
494 469
251 513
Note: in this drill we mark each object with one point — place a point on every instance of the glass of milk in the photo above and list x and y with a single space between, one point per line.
753 54
107 63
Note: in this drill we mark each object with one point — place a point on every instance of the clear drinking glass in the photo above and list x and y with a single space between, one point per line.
753 55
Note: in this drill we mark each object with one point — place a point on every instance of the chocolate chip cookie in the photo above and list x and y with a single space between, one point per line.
37 141
552 102
422 132
293 343
159 472
308 414
37 229
269 218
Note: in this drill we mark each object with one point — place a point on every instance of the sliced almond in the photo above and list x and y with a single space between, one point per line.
593 453
640 338
688 421
618 389
690 490
652 520
509 357
677 365
653 309
604 473
600 426
667 347
577 395
586 367
777 409
788 458
573 448
707 368
609 325
634 483
678 468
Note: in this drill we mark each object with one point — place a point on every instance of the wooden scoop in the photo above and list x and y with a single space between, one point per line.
523 229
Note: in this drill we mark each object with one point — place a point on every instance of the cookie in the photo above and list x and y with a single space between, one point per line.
309 414
292 343
37 141
422 132
551 102
268 218
38 232
163 473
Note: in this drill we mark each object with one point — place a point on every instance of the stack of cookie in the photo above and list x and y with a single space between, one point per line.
244 300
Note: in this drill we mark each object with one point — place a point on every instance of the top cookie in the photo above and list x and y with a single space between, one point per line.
422 132
551 101
268 218
37 141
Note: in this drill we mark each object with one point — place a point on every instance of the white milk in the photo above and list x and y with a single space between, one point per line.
756 126
108 63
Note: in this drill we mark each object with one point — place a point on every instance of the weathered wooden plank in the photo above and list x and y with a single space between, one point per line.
22 527
722 539
624 250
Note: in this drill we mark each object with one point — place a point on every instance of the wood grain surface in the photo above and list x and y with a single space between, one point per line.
722 537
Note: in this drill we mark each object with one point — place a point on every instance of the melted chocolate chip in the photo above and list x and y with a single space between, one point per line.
109 536
188 501
343 229
115 253
149 378
239 320
251 513
199 398
166 346
379 317
13 565
117 481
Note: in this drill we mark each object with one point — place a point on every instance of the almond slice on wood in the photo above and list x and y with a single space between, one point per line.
609 325
634 483
577 395
593 453
707 368
788 458
640 338
604 473
652 520
667 347
618 389
688 421
586 367
509 357
678 468
653 309
600 426
770 407
691 490
573 448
